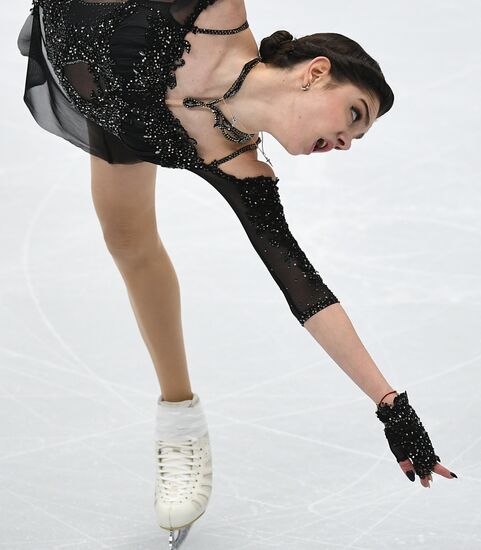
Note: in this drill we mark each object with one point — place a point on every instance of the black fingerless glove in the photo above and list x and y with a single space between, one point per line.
406 435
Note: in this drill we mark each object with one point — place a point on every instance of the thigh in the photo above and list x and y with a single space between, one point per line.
124 200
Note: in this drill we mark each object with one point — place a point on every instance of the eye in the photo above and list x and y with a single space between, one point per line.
357 113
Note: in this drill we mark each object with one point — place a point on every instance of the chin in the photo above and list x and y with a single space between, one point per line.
294 150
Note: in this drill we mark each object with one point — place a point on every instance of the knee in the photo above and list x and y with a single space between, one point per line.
127 245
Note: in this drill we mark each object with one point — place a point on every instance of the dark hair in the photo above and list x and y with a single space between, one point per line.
349 62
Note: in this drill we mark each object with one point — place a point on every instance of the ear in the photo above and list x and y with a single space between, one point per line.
319 69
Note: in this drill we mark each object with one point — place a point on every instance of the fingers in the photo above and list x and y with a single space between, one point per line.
408 468
438 468
442 471
425 481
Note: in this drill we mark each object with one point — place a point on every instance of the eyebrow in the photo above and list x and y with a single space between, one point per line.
367 117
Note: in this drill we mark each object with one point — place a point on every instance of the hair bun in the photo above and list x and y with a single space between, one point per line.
271 45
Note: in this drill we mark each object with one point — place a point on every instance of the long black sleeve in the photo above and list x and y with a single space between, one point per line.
257 204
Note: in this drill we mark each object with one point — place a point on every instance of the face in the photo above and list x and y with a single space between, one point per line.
328 118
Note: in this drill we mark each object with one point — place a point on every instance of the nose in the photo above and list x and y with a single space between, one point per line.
343 142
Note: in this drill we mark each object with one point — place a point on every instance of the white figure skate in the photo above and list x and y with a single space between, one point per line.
184 466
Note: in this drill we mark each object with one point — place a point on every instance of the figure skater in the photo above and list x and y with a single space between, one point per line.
182 84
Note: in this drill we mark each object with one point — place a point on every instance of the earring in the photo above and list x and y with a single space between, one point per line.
306 87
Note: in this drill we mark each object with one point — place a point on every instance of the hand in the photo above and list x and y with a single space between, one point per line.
409 441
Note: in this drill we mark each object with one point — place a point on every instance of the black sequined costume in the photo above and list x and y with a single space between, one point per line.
97 75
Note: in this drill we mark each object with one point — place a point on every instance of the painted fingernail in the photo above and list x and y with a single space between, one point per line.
453 474
410 475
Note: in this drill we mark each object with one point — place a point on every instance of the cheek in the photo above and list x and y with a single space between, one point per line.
332 118
311 120
298 128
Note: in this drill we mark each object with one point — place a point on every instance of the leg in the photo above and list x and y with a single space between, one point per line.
124 200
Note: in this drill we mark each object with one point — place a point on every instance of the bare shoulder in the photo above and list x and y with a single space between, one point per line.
247 166
264 169
221 11
253 167
232 4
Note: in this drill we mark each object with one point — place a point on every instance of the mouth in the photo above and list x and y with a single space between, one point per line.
322 146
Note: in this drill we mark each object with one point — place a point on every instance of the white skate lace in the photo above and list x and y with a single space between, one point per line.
175 467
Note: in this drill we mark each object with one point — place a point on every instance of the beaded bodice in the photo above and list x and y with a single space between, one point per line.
115 61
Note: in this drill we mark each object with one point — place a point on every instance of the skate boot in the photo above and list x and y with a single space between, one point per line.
184 466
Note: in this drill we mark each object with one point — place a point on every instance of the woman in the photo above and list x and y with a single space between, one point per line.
182 84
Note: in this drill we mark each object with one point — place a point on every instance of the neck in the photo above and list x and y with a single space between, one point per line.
258 100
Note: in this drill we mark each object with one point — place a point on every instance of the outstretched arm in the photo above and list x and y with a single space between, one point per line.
333 330
257 204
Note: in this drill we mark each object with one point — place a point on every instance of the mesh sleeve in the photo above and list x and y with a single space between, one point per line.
257 204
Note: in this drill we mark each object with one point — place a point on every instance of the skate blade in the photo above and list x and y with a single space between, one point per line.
177 537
